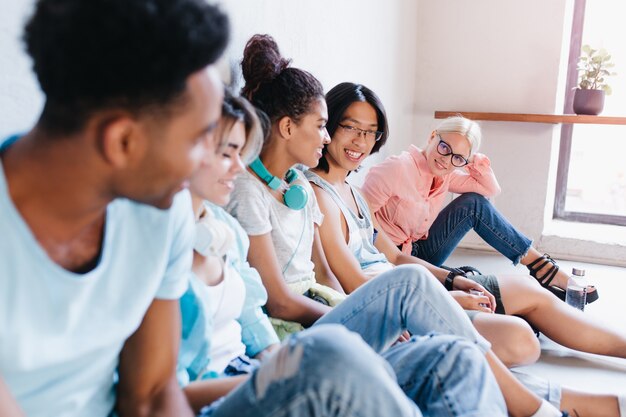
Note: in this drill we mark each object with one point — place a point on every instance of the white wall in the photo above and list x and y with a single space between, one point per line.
419 56
20 97
363 41
495 56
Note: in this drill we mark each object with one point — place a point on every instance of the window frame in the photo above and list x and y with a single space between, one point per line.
567 130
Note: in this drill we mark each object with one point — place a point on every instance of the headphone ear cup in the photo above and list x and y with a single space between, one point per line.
204 238
296 197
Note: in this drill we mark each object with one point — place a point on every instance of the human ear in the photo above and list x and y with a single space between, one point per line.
120 141
285 126
432 137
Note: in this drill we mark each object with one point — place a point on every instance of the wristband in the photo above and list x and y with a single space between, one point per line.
448 283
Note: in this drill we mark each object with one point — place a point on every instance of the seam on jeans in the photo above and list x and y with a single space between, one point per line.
496 233
439 385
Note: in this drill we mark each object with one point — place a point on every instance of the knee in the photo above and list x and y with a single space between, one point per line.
522 345
317 353
412 275
332 343
331 352
471 199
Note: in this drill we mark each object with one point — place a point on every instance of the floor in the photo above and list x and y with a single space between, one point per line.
574 369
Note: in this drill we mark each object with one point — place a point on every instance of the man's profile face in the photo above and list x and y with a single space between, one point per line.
179 144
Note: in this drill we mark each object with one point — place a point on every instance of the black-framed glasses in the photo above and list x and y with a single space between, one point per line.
444 150
374 135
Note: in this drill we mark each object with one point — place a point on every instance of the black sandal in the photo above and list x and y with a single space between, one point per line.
537 265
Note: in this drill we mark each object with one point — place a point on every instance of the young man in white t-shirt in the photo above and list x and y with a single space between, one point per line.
96 237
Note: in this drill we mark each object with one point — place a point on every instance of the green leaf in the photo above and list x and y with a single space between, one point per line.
586 49
607 90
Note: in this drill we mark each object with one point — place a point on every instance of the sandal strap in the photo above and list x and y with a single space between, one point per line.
545 258
548 277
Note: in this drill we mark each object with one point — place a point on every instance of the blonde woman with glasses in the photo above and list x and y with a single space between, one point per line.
407 193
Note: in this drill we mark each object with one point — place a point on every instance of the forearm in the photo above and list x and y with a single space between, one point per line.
202 393
297 308
166 401
439 273
330 281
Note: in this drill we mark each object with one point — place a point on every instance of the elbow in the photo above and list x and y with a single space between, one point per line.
134 404
151 401
279 309
352 285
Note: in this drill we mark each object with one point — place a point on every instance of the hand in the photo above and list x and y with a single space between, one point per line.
265 353
469 301
404 337
466 284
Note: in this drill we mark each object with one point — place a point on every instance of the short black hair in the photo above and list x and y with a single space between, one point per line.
91 55
272 85
338 99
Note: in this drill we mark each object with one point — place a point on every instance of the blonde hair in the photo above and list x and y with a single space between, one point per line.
465 127
238 109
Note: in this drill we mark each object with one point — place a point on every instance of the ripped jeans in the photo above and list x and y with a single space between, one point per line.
329 371
323 371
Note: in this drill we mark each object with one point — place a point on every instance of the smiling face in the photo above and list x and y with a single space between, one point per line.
310 135
214 180
439 164
349 147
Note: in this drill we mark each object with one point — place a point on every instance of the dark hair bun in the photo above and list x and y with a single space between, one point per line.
261 63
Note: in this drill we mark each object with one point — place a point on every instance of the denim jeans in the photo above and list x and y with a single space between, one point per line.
466 212
323 371
445 375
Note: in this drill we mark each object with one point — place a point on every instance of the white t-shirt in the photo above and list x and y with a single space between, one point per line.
61 332
292 231
226 304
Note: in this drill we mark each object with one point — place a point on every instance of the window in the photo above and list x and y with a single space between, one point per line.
591 178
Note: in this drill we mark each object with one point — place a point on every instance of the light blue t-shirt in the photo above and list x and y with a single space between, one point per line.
61 332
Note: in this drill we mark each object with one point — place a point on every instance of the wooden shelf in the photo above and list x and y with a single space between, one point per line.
534 118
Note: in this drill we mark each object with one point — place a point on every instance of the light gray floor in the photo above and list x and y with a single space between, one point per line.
578 370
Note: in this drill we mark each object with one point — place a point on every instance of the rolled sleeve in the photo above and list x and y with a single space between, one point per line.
178 270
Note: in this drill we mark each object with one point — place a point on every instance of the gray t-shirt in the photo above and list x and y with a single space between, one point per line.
292 231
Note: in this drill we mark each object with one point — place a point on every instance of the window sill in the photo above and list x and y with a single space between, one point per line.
534 118
590 232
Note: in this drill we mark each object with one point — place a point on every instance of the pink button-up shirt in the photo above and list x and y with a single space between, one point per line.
400 194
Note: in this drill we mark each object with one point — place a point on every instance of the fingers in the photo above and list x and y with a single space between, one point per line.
485 304
484 300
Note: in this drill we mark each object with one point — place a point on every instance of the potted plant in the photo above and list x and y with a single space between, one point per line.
593 67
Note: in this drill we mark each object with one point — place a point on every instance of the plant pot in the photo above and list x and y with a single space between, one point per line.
588 101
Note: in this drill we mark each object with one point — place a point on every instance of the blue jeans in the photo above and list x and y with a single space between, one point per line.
323 371
445 375
466 212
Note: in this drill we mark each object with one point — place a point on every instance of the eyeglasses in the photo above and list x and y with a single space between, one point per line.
444 150
374 135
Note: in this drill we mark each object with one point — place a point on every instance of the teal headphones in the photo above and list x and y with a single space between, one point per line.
295 197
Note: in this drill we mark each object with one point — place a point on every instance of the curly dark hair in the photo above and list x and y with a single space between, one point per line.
274 87
338 99
91 55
